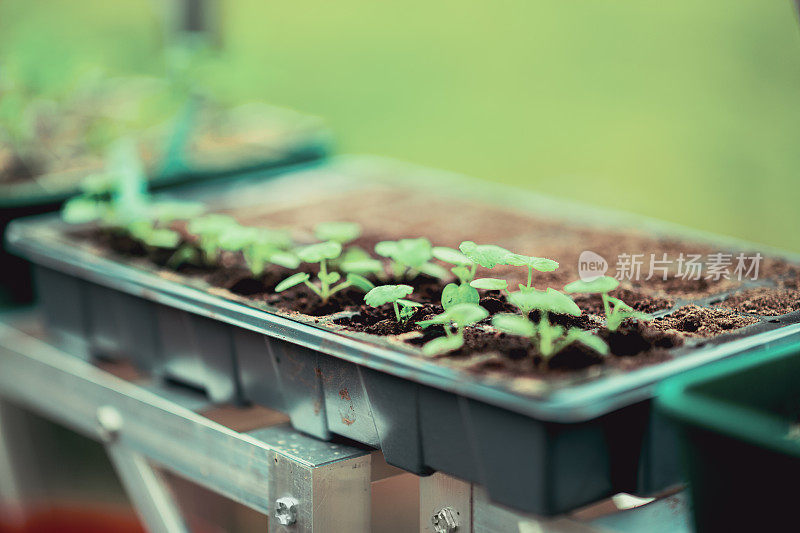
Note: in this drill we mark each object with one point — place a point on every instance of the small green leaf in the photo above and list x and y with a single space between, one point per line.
550 300
315 253
167 211
466 314
80 210
213 224
463 273
406 311
235 237
330 278
490 284
433 270
514 324
340 232
184 254
363 266
460 314
291 281
162 238
284 259
360 281
599 285
442 345
486 255
358 261
586 338
412 253
408 303
451 255
384 294
98 184
454 294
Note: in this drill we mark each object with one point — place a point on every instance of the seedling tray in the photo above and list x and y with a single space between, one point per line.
739 428
538 446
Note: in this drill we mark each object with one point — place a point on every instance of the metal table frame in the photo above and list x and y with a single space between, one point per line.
301 483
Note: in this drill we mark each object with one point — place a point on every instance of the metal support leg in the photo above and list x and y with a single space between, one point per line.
147 490
17 467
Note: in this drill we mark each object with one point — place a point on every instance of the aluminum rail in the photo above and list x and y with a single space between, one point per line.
273 470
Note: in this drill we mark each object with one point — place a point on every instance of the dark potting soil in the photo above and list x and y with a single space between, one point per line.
696 321
764 301
593 303
384 215
14 169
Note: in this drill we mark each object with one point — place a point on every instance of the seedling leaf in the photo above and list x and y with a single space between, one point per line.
454 294
490 284
316 253
514 324
431 269
80 210
384 294
600 285
291 281
330 277
451 255
537 263
486 255
550 300
442 345
361 282
461 315
411 253
340 232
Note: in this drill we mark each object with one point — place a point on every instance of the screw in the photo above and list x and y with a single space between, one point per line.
444 520
110 422
286 510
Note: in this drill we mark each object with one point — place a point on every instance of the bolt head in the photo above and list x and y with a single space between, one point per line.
444 520
110 422
286 510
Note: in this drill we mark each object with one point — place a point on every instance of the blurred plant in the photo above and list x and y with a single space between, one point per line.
409 257
454 321
615 309
260 247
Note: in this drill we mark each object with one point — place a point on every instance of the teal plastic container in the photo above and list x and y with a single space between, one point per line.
739 423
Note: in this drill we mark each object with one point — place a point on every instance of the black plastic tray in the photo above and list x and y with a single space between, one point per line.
545 451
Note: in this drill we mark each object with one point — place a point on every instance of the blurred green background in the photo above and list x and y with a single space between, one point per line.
684 110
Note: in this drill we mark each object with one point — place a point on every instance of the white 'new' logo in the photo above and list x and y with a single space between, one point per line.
591 265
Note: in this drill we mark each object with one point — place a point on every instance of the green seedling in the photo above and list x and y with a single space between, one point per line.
209 230
152 236
464 269
384 294
322 253
453 320
116 196
615 309
550 338
490 255
409 257
260 247
356 260
341 232
489 284
540 264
